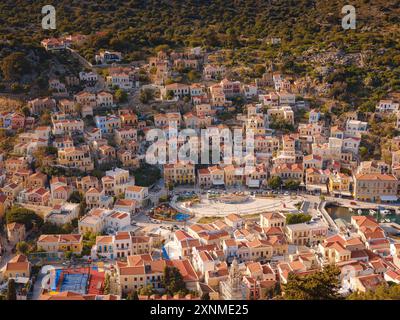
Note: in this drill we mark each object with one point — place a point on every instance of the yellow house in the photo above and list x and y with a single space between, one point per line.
179 173
339 183
76 157
366 283
93 222
229 175
272 219
375 187
61 243
15 232
306 233
3 204
19 266
258 250
233 175
334 252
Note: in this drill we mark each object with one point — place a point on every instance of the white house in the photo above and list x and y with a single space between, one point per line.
314 116
137 193
355 128
234 221
250 91
117 220
286 98
62 214
104 99
387 106
122 80
90 77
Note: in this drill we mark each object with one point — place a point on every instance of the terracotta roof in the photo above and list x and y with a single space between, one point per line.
60 238
375 176
233 217
135 188
104 239
122 235
19 262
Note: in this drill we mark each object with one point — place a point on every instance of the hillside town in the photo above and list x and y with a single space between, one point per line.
87 217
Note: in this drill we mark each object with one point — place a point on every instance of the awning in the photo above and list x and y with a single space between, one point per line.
317 187
218 182
388 198
254 183
342 193
23 280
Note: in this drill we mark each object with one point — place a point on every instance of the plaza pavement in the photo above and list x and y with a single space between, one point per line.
209 207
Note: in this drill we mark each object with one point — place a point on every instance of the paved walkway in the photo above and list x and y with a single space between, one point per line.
254 205
37 287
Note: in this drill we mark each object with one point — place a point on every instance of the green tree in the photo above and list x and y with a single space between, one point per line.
173 281
291 184
24 216
82 208
293 218
147 290
192 76
170 95
107 284
89 240
26 111
146 95
11 290
321 285
146 175
133 295
275 182
16 87
14 66
22 247
364 152
162 47
279 123
76 197
51 228
121 96
259 70
205 296
385 291
50 150
68 255
45 119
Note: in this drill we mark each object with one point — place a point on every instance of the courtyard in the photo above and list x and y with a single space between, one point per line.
241 205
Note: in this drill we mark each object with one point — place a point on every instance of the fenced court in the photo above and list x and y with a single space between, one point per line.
79 280
74 282
181 217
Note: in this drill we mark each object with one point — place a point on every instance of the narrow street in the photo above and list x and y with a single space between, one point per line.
37 287
6 255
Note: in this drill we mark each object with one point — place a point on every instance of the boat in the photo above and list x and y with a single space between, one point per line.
372 212
385 212
359 211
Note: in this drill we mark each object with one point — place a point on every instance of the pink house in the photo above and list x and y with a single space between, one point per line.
39 196
17 121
